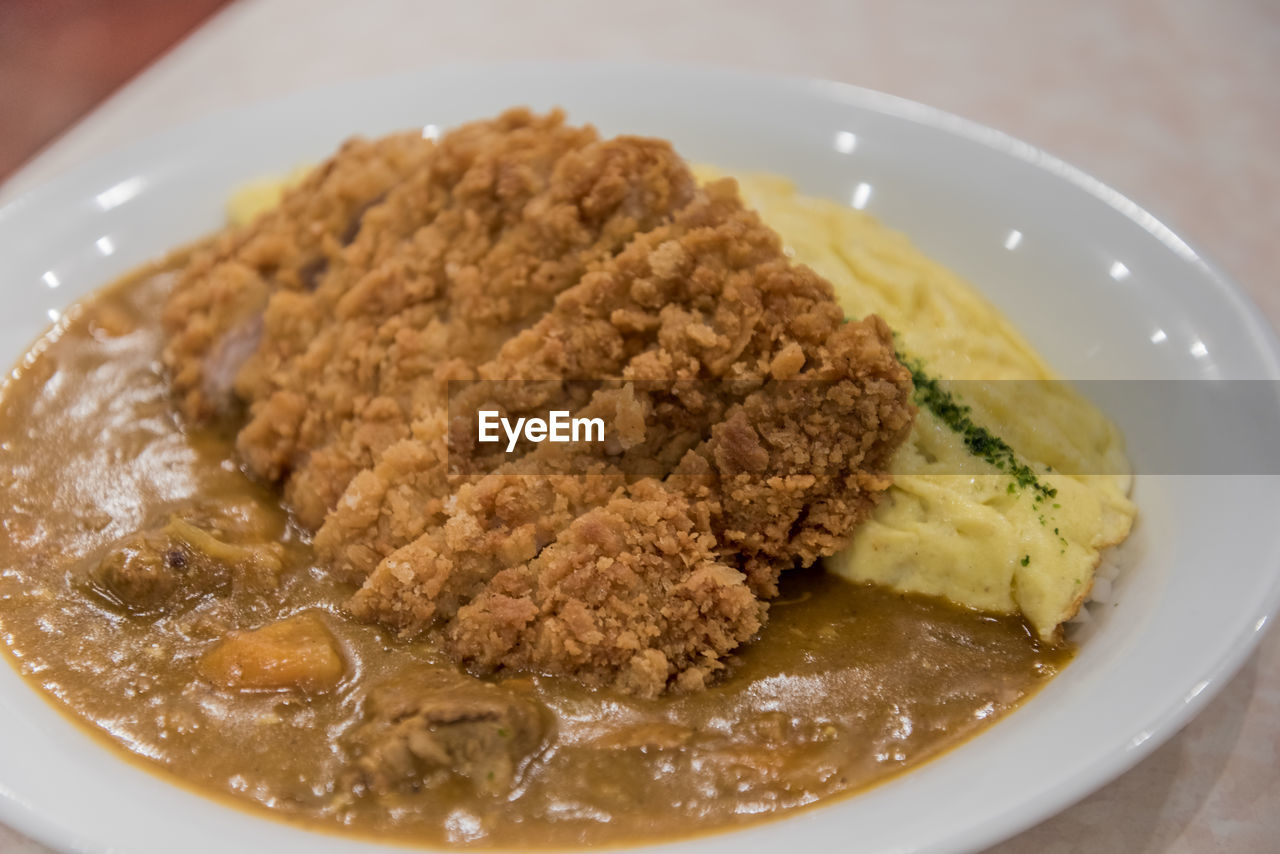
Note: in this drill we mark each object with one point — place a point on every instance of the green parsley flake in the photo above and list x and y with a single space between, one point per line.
980 441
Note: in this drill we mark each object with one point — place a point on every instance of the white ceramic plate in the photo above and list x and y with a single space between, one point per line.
1103 288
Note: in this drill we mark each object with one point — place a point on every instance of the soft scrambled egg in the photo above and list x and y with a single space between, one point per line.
953 524
256 197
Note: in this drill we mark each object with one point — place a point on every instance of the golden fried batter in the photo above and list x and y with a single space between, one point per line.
524 266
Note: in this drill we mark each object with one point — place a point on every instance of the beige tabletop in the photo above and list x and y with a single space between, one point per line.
1176 103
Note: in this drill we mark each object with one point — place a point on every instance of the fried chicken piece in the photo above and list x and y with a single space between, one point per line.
782 480
390 503
504 518
807 411
610 324
704 298
535 209
628 595
214 317
790 472
525 266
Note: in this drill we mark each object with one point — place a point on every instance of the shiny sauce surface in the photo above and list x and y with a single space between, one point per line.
846 686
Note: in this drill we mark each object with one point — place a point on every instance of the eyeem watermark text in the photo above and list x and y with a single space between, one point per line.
558 426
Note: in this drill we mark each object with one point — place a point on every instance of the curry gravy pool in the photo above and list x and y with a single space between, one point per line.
845 686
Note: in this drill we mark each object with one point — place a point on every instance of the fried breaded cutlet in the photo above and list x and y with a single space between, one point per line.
522 265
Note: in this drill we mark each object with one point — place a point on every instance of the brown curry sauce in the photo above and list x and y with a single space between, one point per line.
846 686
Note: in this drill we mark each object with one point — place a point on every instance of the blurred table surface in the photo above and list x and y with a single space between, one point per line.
1175 103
